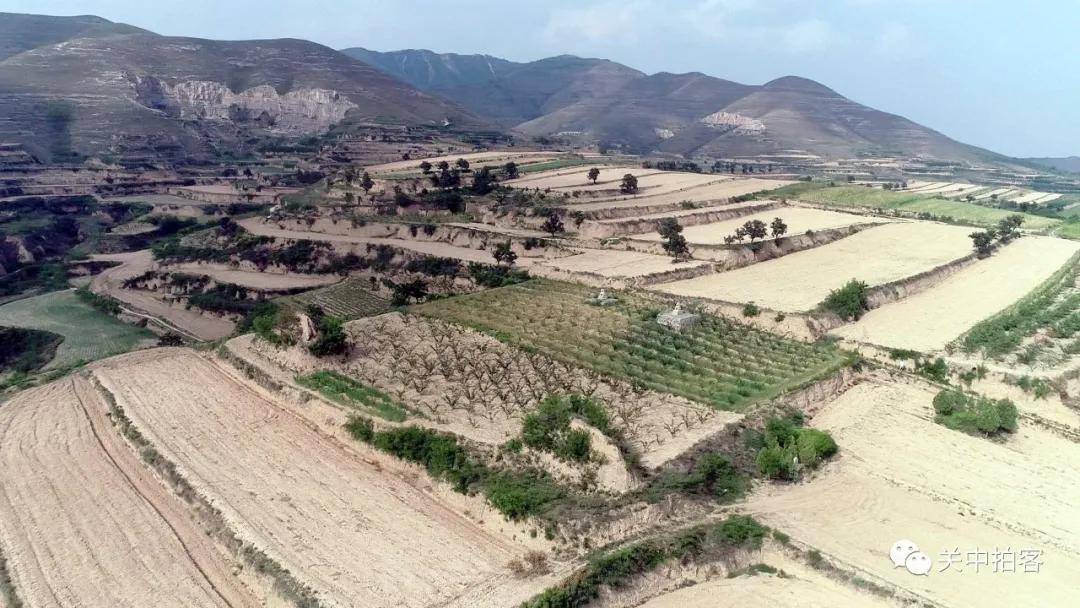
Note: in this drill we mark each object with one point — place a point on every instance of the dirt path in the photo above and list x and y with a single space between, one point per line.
111 282
84 523
359 535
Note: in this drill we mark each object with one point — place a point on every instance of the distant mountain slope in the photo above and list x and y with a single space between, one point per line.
682 114
430 71
1069 164
146 94
506 92
19 32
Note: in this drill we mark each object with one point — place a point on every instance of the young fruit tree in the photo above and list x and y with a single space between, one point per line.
674 242
594 173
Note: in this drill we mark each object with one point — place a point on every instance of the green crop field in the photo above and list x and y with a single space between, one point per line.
89 334
718 362
354 394
1068 230
1052 309
349 299
908 203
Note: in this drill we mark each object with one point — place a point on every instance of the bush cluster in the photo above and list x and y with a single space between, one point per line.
516 494
615 568
973 414
788 446
849 302
713 475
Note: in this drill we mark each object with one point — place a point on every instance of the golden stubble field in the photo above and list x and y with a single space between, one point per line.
799 282
84 523
901 476
356 534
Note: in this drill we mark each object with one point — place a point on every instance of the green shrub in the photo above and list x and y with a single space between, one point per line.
519 495
974 415
849 302
331 340
743 531
785 440
936 370
751 310
712 475
548 427
576 446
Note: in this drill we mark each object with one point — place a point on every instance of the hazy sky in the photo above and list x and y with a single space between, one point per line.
1000 74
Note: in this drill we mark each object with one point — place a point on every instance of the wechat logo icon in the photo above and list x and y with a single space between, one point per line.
905 553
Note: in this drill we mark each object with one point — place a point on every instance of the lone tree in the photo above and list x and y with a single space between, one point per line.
553 224
366 182
983 241
1009 227
425 167
629 184
511 170
483 181
593 174
674 242
779 228
503 254
462 164
755 229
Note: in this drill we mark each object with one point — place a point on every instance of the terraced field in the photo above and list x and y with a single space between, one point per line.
89 334
718 362
799 282
349 299
914 202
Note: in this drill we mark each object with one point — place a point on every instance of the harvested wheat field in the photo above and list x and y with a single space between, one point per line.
798 220
84 523
800 281
929 320
577 178
715 191
901 476
253 279
799 586
616 264
359 536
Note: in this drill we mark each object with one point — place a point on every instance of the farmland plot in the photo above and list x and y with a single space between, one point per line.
253 279
716 191
718 362
468 383
798 220
578 177
901 476
799 282
360 536
799 585
480 158
349 299
929 320
84 523
614 263
89 334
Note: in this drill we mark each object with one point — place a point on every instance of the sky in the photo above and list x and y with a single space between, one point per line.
1004 75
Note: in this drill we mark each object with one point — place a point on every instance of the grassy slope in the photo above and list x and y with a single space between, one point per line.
719 362
89 334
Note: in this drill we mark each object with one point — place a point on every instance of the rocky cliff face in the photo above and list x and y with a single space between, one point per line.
300 111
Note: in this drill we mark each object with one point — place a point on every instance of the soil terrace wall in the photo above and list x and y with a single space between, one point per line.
451 234
638 225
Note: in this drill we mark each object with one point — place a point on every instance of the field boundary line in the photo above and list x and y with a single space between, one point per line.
213 521
90 419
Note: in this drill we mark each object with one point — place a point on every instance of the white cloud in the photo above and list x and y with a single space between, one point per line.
604 22
809 36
